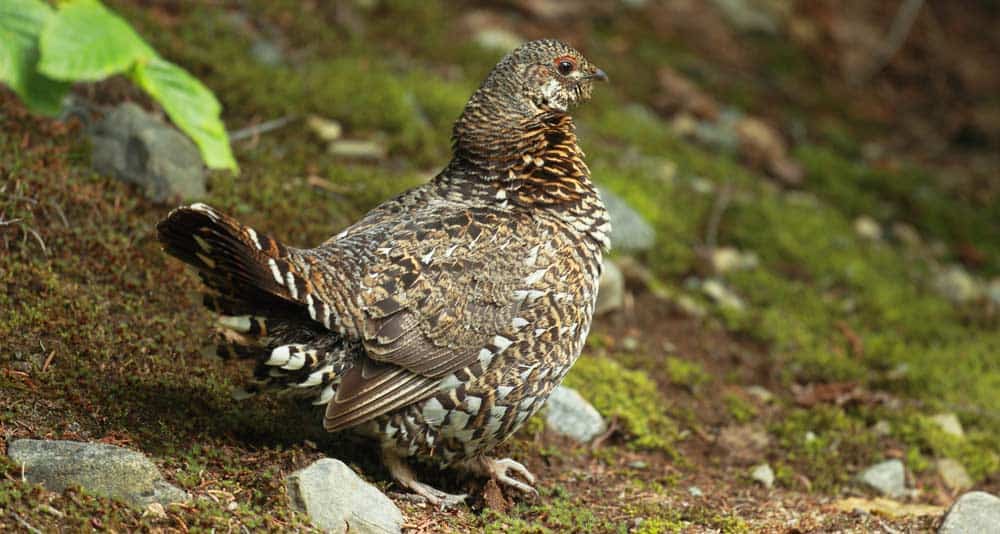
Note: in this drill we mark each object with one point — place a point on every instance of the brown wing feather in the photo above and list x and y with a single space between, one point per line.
433 307
370 390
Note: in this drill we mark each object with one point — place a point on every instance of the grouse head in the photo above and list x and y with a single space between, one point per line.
536 83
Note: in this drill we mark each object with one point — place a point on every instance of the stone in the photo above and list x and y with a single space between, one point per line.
358 149
568 414
956 284
720 134
744 443
760 393
888 478
134 146
882 428
728 259
99 468
749 15
953 474
267 53
338 500
611 289
630 233
326 129
763 474
763 147
722 295
993 290
976 511
949 423
906 234
867 228
498 39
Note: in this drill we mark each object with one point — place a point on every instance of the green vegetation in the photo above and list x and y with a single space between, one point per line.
46 50
102 334
629 397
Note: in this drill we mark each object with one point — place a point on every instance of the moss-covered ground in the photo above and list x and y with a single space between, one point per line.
101 335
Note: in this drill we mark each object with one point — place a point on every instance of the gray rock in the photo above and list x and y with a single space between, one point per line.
630 232
358 149
749 15
953 474
267 53
976 511
888 478
611 291
728 259
499 39
719 134
136 147
760 393
338 500
763 474
99 468
882 428
993 290
949 423
868 228
568 414
722 295
957 285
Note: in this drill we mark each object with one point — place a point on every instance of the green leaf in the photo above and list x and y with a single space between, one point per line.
85 41
191 106
21 22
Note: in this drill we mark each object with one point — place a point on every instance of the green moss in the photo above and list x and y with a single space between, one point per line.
977 451
739 409
561 512
905 194
657 518
686 373
821 441
631 397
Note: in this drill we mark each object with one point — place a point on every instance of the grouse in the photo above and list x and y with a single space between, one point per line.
441 321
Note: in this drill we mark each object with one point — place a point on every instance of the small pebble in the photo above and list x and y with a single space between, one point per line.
888 478
763 474
868 228
760 393
949 423
630 343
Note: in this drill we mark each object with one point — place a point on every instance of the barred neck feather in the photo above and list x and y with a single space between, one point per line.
535 163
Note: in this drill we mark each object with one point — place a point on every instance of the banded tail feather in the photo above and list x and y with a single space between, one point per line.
265 308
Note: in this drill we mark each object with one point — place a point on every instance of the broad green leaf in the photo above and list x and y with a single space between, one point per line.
21 22
191 106
85 41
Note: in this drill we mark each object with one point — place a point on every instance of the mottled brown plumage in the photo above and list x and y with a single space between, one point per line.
442 320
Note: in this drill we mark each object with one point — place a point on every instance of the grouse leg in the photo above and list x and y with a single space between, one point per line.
498 468
404 476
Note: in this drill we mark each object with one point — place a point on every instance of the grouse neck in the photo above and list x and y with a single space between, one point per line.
532 161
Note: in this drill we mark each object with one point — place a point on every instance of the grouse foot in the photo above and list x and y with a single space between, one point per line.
405 477
498 468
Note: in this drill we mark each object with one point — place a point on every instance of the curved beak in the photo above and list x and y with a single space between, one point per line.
599 75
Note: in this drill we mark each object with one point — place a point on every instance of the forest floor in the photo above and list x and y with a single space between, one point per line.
871 211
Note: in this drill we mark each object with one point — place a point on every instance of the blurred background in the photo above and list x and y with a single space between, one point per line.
805 274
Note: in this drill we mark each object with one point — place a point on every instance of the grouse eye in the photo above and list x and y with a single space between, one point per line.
565 66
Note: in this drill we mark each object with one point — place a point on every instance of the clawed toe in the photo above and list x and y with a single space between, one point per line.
498 469
403 475
437 497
